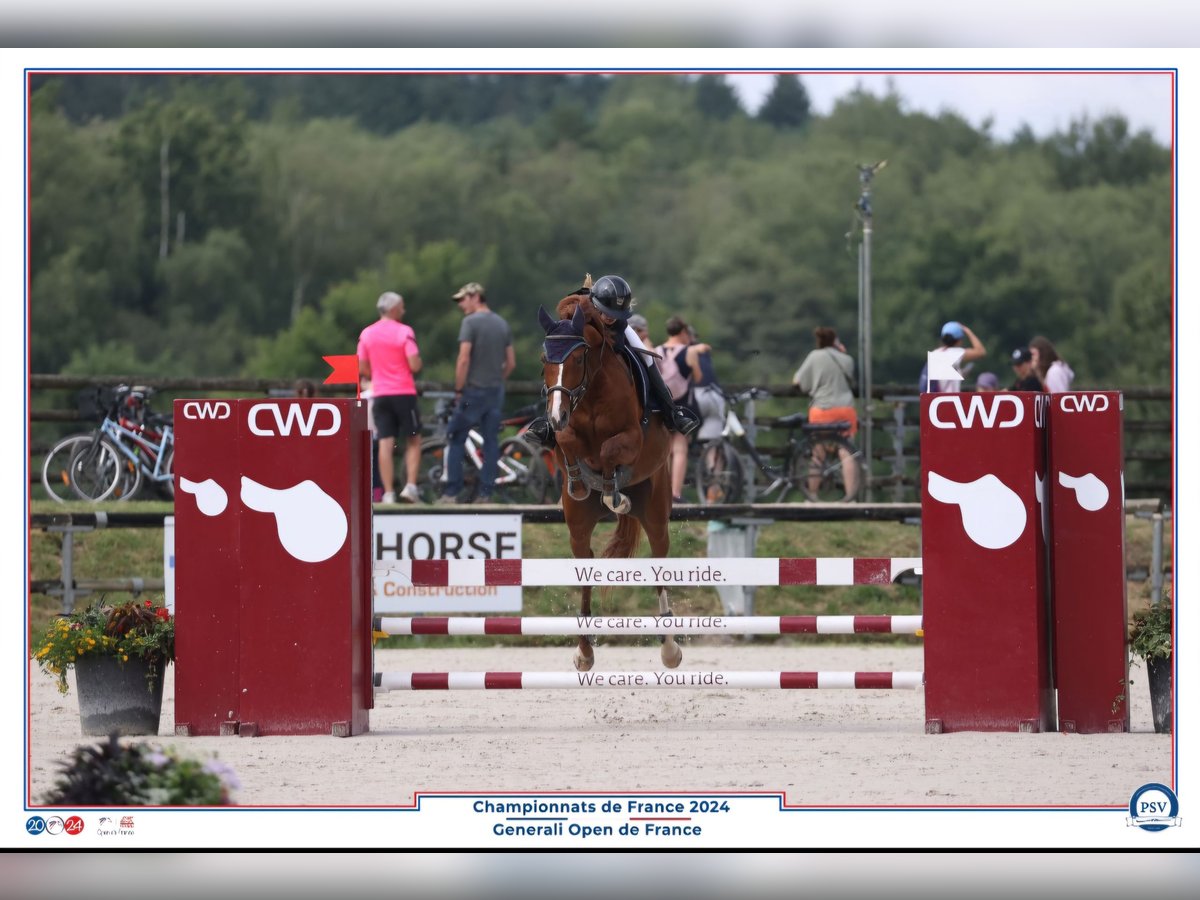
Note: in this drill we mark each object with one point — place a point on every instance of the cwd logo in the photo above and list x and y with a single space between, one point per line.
1083 403
269 419
976 407
207 409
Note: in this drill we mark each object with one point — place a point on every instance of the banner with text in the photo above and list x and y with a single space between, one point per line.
419 537
407 537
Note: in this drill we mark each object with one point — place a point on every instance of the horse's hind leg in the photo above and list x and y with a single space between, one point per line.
672 653
584 658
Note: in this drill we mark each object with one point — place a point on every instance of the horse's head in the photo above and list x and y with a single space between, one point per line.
565 359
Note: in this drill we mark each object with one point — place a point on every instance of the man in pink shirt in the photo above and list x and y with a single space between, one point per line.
388 355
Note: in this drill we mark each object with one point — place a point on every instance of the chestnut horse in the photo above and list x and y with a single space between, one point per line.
614 456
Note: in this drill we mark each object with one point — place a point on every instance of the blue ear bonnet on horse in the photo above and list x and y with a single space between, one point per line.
563 336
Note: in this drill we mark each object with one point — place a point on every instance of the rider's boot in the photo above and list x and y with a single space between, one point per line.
677 418
539 432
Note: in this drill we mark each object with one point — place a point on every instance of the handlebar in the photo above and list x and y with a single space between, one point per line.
753 393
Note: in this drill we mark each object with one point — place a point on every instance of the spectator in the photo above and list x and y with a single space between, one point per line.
1025 378
305 388
708 400
365 393
987 381
827 376
389 357
1056 375
952 337
641 328
673 368
485 360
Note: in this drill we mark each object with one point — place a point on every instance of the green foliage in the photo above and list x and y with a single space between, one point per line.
787 105
242 224
139 774
1151 631
130 629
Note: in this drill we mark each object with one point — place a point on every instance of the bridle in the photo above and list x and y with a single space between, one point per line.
557 353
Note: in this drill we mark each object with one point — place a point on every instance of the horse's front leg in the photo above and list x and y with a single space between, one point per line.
619 450
672 653
581 548
569 450
655 514
584 655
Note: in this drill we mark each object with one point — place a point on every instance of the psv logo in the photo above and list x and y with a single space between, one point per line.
310 420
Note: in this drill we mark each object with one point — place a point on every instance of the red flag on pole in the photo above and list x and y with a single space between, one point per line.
345 371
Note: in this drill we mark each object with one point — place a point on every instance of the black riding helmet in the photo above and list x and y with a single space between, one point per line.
612 296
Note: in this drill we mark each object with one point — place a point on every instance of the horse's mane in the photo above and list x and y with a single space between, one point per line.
591 316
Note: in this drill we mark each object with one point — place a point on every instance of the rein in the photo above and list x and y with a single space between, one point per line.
560 356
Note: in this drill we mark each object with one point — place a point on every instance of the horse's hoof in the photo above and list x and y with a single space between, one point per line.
672 655
584 663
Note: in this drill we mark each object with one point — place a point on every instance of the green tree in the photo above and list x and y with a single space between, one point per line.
716 98
787 105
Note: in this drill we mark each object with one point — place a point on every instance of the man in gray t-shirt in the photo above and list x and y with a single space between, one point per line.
485 360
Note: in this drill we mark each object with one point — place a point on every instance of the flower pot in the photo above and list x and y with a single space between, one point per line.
117 697
1158 673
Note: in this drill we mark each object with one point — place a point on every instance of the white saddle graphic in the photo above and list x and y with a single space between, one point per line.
1090 491
992 513
311 524
211 498
1039 491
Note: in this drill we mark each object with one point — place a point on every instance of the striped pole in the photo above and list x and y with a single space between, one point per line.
466 681
738 571
576 625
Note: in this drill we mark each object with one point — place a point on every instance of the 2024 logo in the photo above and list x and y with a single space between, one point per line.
54 825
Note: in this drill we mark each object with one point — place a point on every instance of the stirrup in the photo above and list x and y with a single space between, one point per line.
684 420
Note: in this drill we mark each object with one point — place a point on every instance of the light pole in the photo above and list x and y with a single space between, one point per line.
865 216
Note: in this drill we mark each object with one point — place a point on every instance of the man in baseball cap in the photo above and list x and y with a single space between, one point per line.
471 287
1026 378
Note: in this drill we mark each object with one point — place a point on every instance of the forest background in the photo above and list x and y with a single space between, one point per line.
243 224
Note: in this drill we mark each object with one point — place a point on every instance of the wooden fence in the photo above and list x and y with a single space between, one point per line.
1149 461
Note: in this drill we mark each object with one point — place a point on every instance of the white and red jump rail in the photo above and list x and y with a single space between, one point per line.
672 680
647 572
668 572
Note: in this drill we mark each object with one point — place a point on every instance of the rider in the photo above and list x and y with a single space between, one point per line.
613 300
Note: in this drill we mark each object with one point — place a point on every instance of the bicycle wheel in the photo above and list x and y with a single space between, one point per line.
719 475
521 476
56 468
166 487
821 473
99 471
433 471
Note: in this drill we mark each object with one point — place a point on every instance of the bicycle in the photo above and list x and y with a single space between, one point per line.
131 446
92 403
817 464
522 475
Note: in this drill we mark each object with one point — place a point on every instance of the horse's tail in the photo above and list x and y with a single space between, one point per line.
624 540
